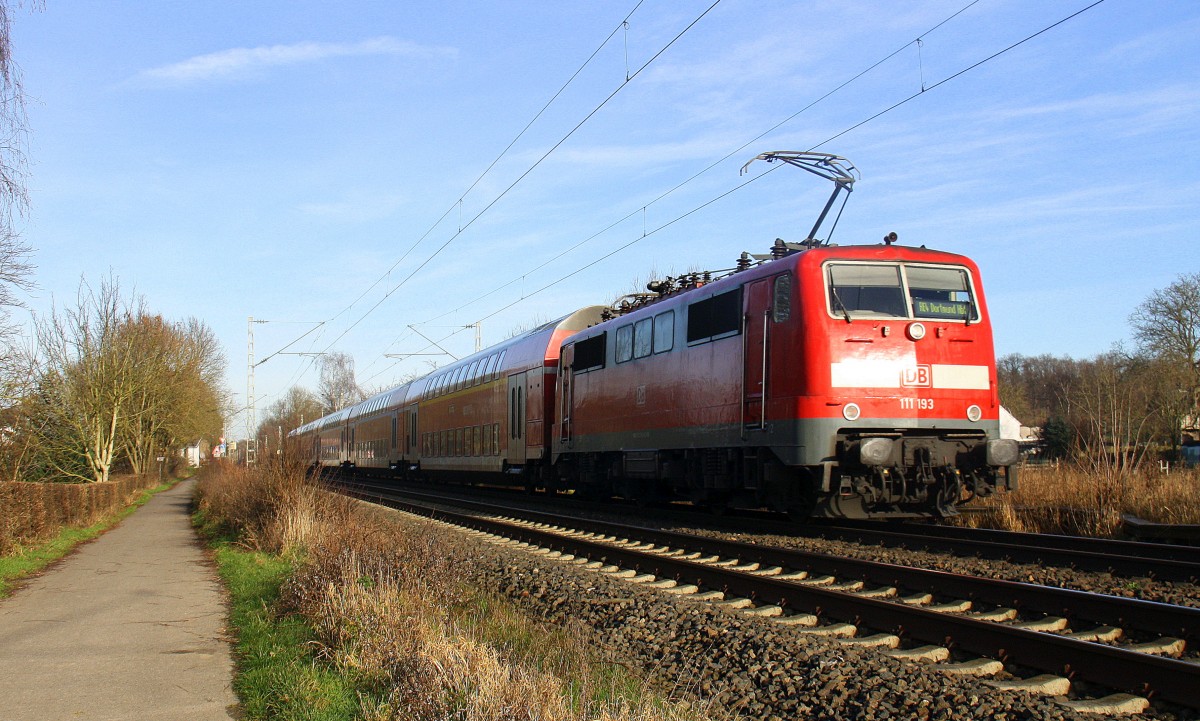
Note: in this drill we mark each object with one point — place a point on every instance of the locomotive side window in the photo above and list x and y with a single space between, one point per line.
664 331
643 337
940 292
715 317
589 353
781 307
867 290
624 346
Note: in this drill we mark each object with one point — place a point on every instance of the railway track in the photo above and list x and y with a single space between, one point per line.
1120 558
969 624
1126 559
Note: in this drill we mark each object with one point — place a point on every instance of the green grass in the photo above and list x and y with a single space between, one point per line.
278 676
34 557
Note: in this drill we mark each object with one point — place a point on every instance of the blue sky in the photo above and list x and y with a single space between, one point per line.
298 161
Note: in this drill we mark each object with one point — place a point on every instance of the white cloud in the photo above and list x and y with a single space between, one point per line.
356 207
238 62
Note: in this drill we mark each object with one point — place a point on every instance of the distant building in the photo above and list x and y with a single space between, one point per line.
196 453
1190 455
1029 438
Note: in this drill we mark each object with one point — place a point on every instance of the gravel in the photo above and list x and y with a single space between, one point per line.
739 665
1177 593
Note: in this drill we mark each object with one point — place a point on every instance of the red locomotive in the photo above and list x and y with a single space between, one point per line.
854 381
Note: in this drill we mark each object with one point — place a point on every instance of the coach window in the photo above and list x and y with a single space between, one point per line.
643 337
489 371
664 331
624 346
781 308
473 374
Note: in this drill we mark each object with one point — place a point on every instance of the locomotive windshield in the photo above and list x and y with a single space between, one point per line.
896 290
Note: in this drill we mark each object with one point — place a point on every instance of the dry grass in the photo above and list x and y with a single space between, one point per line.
33 512
390 612
1075 501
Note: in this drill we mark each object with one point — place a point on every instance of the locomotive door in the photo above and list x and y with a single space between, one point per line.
516 419
755 314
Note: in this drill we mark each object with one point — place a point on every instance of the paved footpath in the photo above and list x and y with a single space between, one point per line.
130 626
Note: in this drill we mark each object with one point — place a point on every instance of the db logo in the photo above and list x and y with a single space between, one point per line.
917 377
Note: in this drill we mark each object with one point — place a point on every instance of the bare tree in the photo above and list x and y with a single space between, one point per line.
176 391
337 387
1167 326
1115 413
297 407
15 268
85 383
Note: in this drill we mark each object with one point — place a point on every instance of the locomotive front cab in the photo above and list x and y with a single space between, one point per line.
911 394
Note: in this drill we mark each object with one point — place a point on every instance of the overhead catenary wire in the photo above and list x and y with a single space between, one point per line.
622 25
462 196
849 129
710 166
724 194
525 174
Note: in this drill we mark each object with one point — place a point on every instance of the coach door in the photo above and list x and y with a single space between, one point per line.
516 419
756 313
566 394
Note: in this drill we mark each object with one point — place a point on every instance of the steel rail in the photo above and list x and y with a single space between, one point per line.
1110 666
1107 546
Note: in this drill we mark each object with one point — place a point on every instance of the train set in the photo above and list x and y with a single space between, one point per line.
834 381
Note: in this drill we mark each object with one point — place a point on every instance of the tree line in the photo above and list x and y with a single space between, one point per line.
337 388
104 384
1123 407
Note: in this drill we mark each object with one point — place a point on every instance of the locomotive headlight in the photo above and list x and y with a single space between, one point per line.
1003 452
875 451
851 411
973 413
916 331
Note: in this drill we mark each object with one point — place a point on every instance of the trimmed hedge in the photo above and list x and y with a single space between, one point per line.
31 512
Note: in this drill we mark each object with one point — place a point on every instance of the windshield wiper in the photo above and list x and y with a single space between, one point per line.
837 299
